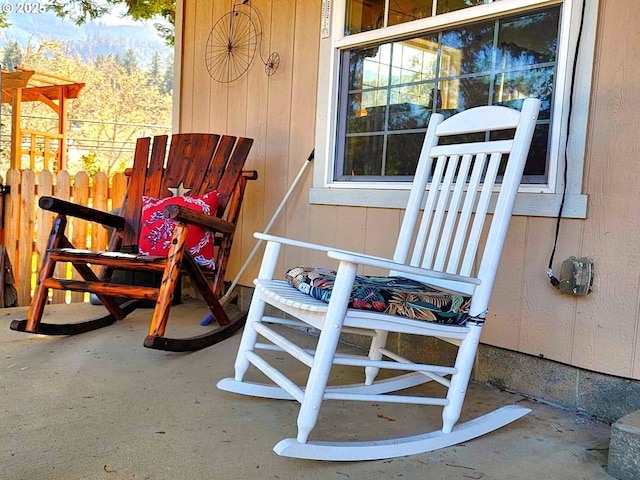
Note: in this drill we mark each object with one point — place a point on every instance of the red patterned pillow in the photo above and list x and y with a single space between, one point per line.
156 231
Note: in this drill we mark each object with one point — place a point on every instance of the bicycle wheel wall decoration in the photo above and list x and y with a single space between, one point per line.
232 44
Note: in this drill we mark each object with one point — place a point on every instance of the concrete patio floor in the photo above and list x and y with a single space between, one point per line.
101 406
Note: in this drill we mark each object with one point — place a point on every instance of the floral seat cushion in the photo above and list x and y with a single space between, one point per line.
392 295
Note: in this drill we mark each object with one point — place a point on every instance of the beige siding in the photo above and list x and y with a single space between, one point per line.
607 325
599 332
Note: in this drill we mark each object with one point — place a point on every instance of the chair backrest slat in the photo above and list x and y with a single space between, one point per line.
189 158
457 184
486 190
466 212
155 170
444 190
219 163
132 204
432 198
232 171
452 214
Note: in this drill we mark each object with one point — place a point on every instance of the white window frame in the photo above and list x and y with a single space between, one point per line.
533 200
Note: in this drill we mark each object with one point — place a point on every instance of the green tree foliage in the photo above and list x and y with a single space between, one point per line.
167 77
117 105
130 62
81 11
12 56
154 73
160 73
90 164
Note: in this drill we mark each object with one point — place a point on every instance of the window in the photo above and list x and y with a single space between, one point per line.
387 92
396 62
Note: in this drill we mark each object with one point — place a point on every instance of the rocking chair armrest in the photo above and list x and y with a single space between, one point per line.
289 241
80 211
400 267
370 260
301 244
391 265
186 215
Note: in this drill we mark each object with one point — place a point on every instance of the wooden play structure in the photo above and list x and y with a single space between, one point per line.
24 85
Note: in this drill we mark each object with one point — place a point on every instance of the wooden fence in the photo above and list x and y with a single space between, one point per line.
26 227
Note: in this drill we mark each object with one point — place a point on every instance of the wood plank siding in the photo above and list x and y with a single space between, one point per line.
599 332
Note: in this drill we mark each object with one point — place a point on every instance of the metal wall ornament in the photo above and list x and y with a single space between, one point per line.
232 44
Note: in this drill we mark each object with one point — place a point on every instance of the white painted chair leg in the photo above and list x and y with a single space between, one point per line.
460 380
378 342
256 311
325 351
249 335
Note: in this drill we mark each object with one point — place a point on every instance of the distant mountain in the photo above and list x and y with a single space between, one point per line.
90 39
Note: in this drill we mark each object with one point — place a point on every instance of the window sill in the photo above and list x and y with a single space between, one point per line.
527 204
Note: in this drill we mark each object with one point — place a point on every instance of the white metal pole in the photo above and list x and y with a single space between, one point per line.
227 295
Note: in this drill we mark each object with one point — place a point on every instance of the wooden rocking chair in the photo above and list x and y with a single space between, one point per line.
196 164
434 292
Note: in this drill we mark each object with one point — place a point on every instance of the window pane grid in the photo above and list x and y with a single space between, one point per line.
476 64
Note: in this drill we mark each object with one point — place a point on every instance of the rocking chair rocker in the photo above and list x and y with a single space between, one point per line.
197 164
432 293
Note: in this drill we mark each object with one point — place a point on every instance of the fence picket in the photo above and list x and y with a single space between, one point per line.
80 192
44 219
12 220
118 190
62 190
25 240
100 195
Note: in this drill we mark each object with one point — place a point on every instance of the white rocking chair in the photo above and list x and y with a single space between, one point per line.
445 246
